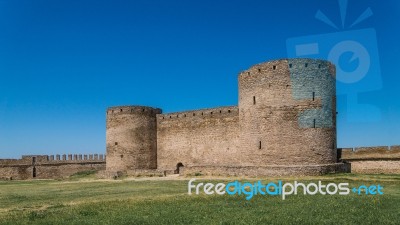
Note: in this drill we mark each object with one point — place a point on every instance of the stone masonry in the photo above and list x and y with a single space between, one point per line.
284 124
49 167
372 160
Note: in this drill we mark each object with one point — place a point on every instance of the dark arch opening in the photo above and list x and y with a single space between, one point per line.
178 168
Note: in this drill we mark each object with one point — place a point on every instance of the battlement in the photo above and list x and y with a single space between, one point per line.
54 159
210 112
371 153
281 66
118 110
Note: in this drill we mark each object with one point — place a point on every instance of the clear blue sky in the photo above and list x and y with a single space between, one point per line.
62 63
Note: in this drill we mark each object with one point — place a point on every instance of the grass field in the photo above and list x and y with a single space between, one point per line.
85 200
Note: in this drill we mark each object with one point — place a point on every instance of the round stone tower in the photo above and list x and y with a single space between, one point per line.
131 138
287 113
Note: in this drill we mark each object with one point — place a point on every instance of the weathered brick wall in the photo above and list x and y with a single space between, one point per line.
131 138
375 166
373 160
49 167
20 172
17 169
54 171
202 137
288 113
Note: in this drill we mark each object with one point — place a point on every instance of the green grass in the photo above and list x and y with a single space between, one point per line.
83 174
158 201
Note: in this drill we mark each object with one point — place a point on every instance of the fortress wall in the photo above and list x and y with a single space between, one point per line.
14 172
375 166
7 162
49 166
65 170
54 159
394 148
371 153
275 171
47 171
201 137
373 160
288 113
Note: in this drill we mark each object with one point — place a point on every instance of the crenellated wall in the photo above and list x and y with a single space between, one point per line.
49 166
372 160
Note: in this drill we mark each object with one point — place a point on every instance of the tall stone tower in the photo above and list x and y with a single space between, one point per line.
131 138
287 113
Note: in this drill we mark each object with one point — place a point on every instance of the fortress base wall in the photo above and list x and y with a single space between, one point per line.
376 166
55 171
146 173
108 174
14 172
267 171
65 170
372 160
49 167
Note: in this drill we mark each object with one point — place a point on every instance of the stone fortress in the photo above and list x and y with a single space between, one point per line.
284 125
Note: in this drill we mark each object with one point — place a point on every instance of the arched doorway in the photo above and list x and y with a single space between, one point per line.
178 167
